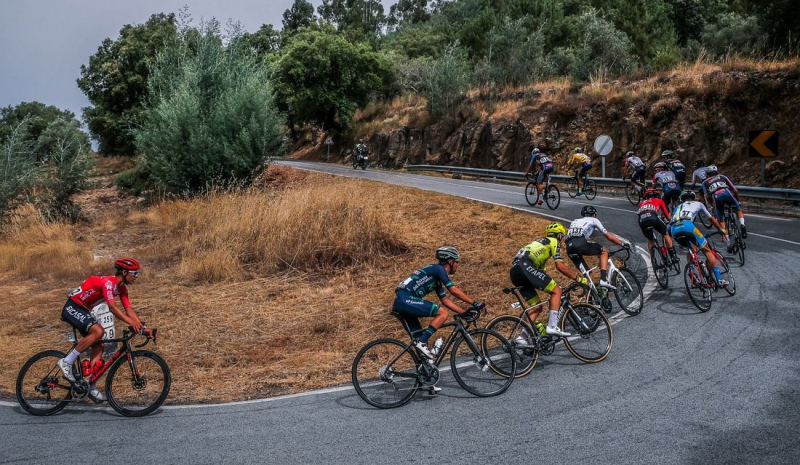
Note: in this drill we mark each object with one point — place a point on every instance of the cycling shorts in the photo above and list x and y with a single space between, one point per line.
722 198
686 233
650 224
408 304
542 174
680 176
638 175
524 274
78 317
581 247
584 168
670 194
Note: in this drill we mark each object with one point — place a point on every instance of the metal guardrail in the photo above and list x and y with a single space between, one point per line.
787 195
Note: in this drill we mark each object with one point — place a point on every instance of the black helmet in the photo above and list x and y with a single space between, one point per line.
652 194
688 195
699 163
446 253
588 210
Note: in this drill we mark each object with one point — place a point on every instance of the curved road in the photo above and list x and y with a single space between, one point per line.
679 387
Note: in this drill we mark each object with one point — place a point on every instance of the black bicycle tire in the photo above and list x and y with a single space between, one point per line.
629 193
558 197
357 385
630 277
688 291
590 186
727 274
563 325
530 190
572 187
520 371
460 380
21 376
123 361
659 270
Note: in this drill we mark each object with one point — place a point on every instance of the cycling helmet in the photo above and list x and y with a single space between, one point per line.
712 170
126 263
660 166
588 210
578 150
629 154
652 194
446 253
554 229
699 163
667 153
687 195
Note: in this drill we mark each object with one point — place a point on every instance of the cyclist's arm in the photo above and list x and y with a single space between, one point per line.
447 302
611 237
528 169
562 268
129 317
460 295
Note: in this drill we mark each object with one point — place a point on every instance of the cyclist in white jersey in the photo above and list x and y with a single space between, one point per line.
688 235
578 244
636 169
699 174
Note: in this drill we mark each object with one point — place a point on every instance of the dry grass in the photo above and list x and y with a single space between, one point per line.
407 110
277 329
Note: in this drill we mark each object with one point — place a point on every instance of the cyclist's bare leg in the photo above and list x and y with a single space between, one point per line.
97 352
440 318
95 335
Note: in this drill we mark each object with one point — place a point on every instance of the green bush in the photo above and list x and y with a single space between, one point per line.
17 170
212 117
603 47
733 33
447 80
135 180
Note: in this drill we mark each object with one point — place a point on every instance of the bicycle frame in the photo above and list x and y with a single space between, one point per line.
460 329
525 314
124 349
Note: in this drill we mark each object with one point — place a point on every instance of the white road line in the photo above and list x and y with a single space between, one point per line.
773 238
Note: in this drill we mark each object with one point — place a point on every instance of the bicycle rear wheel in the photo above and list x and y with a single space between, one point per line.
628 292
572 187
660 268
697 287
590 189
520 335
40 387
385 373
476 367
531 193
142 385
553 197
591 335
632 194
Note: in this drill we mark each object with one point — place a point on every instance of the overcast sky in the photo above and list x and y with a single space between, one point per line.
43 43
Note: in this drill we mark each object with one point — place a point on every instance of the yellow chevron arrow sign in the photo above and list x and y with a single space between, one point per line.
763 144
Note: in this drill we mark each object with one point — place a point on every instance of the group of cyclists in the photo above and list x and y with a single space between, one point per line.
544 166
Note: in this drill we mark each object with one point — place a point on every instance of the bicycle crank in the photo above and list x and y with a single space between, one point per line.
428 374
79 390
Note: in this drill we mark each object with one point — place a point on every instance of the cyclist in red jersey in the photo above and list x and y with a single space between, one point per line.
652 213
77 312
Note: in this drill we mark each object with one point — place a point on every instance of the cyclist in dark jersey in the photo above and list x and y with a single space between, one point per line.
409 300
675 165
546 167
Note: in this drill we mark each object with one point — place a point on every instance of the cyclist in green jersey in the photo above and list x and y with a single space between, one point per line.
528 270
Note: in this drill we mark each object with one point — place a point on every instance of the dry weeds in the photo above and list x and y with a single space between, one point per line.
236 321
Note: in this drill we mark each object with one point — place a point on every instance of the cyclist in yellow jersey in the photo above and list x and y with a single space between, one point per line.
585 162
528 271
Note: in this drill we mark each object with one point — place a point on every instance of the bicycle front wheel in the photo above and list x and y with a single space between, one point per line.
590 189
137 388
553 197
572 187
385 373
727 274
628 292
477 360
40 388
531 193
697 287
591 335
519 334
632 194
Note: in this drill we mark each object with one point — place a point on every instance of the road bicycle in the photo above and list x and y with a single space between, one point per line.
551 194
662 263
736 244
41 389
589 186
700 281
387 372
590 340
634 195
627 290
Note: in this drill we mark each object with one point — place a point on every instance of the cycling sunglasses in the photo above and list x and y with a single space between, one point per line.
133 272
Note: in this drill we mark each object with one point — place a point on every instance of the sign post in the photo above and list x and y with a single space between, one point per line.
603 145
328 143
763 145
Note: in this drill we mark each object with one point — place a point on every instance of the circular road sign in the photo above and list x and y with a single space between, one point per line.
603 145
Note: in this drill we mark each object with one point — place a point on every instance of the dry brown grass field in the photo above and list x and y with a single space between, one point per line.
256 293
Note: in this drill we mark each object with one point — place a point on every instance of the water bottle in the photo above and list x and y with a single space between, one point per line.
97 366
437 346
86 368
540 328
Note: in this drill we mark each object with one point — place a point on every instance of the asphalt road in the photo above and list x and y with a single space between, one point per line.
679 387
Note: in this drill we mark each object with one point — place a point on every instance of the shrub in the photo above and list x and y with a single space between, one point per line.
733 33
447 80
212 118
604 46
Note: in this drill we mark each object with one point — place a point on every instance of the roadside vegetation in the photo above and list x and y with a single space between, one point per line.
262 291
